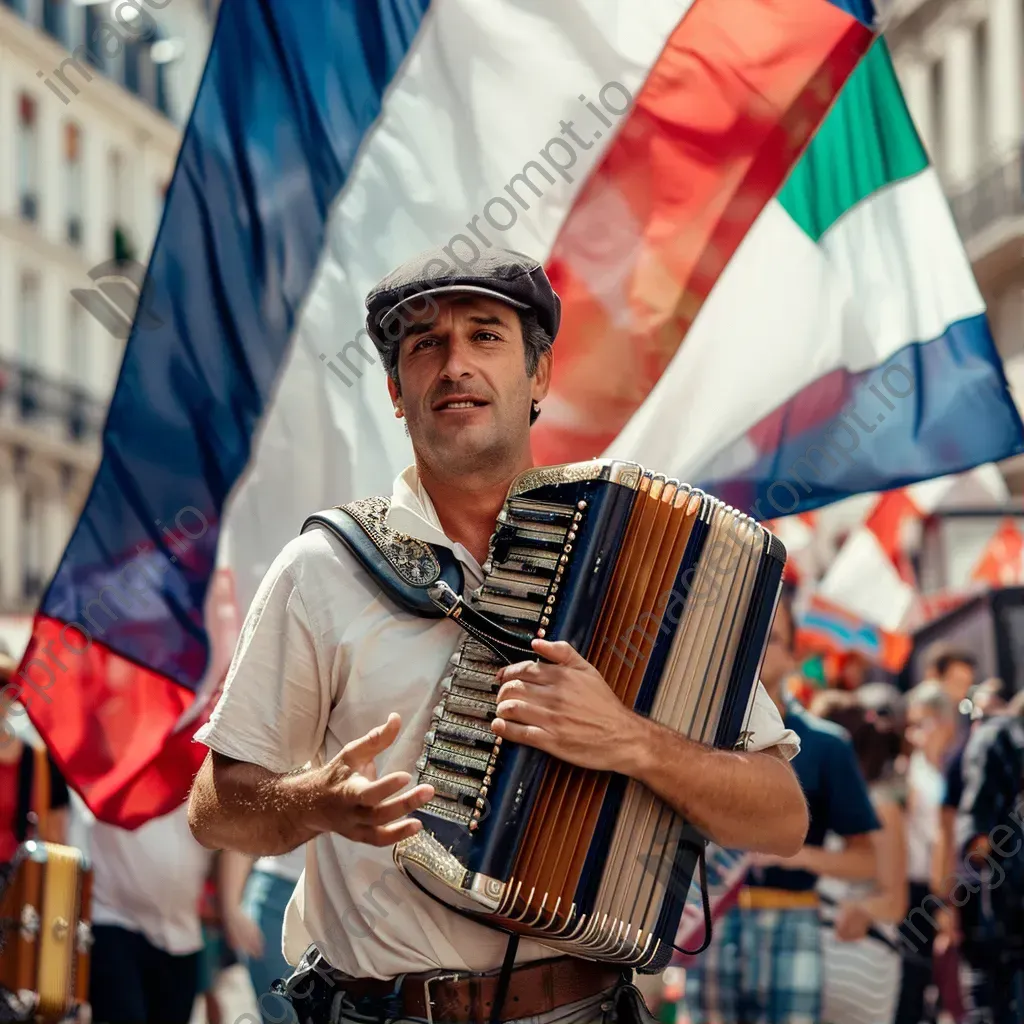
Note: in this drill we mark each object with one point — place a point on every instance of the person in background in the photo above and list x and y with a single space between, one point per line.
147 887
862 918
853 671
764 963
931 734
28 778
990 859
954 668
254 897
986 700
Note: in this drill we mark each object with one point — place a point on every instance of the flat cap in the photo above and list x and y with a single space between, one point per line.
502 274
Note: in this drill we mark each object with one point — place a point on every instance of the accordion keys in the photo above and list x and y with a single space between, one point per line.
670 594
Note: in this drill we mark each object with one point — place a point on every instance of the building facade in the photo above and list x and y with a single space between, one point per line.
92 100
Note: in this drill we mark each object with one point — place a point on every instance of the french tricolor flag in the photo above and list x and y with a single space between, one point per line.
738 286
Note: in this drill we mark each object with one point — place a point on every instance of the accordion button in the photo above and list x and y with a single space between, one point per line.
544 620
474 825
567 548
581 505
563 559
578 518
542 633
480 803
571 535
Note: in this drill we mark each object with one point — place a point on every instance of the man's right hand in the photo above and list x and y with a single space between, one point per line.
349 800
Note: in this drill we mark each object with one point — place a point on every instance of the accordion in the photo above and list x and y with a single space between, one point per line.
670 594
46 910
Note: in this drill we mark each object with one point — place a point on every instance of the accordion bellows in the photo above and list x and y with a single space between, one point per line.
669 593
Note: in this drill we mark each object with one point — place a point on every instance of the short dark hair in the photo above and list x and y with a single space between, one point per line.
787 596
536 341
876 733
943 656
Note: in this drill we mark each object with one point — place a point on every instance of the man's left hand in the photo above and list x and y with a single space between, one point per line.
565 709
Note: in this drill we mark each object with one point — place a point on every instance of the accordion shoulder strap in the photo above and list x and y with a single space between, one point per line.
402 566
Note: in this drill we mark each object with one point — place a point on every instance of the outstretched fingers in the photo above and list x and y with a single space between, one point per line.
375 742
401 805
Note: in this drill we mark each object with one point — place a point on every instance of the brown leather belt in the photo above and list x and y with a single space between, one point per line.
534 989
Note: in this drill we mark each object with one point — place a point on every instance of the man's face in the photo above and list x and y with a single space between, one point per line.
958 679
464 391
778 656
928 732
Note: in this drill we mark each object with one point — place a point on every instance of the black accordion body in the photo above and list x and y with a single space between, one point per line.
670 594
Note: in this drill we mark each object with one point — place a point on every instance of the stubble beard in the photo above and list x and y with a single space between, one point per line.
492 453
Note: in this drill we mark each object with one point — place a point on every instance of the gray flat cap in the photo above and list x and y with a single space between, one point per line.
502 274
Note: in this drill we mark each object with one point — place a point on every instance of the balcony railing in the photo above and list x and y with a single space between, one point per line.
995 194
31 397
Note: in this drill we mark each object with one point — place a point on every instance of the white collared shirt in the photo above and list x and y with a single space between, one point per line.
323 658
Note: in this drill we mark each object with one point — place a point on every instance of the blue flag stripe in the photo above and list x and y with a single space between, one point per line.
933 408
289 93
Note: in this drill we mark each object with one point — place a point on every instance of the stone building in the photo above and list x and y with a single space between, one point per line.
92 100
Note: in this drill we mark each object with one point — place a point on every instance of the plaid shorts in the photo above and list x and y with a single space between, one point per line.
762 967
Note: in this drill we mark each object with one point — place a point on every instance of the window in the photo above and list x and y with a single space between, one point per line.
77 365
162 103
28 320
936 90
73 182
132 56
32 542
94 35
980 113
120 203
27 147
55 19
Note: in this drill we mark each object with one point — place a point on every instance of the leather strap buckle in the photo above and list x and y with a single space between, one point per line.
428 1006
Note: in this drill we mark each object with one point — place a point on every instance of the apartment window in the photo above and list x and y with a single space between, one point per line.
94 35
980 113
132 57
32 543
122 248
162 103
937 95
28 320
27 148
55 19
73 182
77 345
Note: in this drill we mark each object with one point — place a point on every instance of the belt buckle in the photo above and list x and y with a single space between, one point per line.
427 1004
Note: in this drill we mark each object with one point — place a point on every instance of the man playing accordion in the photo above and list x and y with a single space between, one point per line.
322 718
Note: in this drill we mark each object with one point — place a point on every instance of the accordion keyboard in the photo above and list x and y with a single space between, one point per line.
528 552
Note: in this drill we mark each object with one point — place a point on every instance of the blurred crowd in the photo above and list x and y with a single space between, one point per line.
905 905
168 915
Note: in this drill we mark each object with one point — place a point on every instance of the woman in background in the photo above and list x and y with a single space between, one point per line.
859 940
